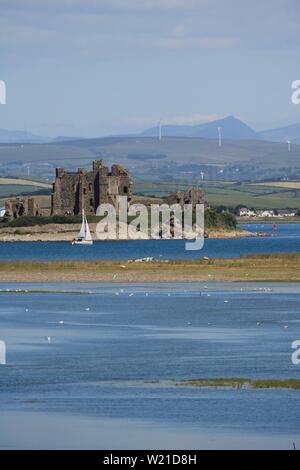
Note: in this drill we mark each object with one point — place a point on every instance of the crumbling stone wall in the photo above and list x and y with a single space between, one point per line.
20 206
191 196
73 192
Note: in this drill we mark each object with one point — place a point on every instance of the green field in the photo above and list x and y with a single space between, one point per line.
268 195
169 158
280 184
23 182
229 194
18 186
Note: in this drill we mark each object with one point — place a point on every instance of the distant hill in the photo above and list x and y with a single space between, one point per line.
231 128
147 157
282 134
20 137
24 137
62 138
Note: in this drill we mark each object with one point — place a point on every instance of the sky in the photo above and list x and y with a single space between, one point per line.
100 67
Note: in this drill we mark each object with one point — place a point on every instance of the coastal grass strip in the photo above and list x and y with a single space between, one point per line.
241 383
271 267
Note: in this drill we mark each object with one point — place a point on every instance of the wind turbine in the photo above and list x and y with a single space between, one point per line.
220 136
27 165
159 130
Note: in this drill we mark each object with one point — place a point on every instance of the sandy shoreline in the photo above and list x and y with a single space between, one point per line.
67 232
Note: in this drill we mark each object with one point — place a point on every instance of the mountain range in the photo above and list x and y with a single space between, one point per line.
24 137
230 127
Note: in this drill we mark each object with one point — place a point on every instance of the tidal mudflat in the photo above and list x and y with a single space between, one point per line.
92 365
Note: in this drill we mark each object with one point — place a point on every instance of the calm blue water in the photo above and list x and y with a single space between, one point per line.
115 338
285 240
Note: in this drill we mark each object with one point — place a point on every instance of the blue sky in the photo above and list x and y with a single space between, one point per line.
92 68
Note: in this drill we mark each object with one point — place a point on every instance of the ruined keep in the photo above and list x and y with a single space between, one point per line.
19 206
191 196
73 192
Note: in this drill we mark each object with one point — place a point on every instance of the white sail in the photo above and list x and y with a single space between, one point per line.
84 237
82 229
88 235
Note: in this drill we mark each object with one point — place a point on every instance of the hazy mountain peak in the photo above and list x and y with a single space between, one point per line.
231 128
17 137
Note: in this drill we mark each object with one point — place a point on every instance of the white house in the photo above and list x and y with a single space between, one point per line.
2 211
286 213
245 212
265 213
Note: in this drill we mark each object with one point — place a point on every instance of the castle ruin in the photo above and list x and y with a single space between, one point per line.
73 192
192 196
19 206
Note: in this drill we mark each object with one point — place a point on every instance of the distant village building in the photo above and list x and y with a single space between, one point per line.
245 212
2 211
286 213
73 192
265 213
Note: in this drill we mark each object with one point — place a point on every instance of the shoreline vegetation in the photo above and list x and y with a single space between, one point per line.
241 383
67 232
66 228
259 268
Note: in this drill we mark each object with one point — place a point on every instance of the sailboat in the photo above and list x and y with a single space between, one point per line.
84 237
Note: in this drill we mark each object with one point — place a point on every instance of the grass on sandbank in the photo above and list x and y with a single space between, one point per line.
290 384
274 267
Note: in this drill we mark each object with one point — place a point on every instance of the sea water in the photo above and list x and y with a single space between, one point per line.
107 376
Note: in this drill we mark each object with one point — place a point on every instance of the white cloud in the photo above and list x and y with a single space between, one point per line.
93 29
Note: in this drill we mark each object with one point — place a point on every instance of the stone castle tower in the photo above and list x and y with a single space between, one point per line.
73 192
